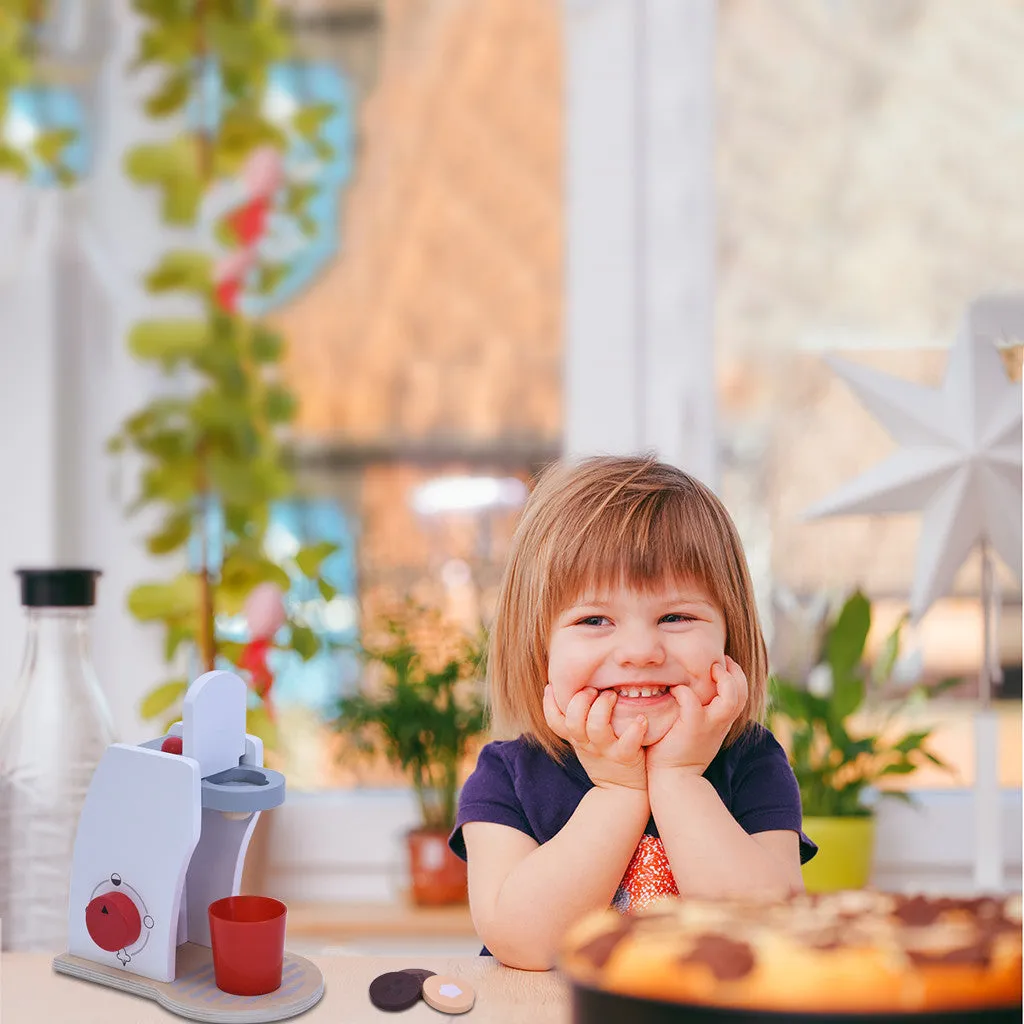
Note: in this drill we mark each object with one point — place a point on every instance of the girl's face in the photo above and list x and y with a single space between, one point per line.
638 644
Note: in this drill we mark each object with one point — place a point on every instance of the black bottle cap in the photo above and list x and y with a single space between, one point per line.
58 588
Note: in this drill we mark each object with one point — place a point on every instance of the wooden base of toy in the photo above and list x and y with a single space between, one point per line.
194 993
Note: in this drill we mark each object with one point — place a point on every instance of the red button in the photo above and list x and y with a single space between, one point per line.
172 745
113 921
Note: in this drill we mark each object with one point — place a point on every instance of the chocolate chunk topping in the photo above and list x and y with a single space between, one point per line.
727 960
599 949
918 910
977 954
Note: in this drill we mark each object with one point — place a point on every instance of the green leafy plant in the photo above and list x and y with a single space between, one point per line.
212 461
422 720
834 764
21 22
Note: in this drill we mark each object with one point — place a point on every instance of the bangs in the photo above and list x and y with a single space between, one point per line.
642 542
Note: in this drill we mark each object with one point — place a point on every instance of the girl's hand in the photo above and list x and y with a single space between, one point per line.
697 734
608 759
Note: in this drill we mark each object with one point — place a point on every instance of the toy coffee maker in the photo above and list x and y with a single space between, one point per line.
154 906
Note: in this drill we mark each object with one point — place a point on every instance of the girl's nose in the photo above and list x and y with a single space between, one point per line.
639 646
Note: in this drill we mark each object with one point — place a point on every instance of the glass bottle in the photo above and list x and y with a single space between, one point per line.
53 734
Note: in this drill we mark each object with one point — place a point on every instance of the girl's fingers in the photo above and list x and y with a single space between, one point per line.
599 719
552 715
725 706
689 703
632 739
742 686
576 715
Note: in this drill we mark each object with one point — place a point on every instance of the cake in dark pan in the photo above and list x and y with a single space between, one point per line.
856 957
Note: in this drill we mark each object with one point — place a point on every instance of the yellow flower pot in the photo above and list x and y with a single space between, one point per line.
845 848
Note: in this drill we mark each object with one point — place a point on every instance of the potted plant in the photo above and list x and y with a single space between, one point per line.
835 759
422 717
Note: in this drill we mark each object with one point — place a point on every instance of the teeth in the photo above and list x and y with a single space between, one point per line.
640 691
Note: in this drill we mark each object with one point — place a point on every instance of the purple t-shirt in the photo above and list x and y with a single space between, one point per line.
516 783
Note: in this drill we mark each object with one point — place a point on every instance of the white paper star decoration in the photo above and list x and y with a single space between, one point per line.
960 455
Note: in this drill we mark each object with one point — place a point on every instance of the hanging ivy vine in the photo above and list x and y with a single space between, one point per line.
212 460
40 148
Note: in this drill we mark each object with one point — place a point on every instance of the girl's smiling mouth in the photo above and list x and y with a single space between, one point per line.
640 694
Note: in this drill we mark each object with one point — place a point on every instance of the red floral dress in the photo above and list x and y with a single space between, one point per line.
648 878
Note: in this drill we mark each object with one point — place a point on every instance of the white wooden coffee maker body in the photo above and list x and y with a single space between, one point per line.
158 827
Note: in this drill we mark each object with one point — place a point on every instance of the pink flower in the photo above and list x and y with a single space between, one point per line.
263 173
264 610
234 266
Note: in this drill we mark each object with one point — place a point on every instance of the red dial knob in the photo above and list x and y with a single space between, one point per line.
113 921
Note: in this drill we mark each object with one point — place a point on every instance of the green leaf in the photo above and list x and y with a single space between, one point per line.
882 669
230 651
847 695
259 723
182 270
64 175
937 761
171 96
51 144
170 42
900 768
298 196
182 197
242 481
177 634
175 531
270 276
309 121
267 345
244 42
175 600
948 683
324 151
170 341
304 642
309 559
912 741
243 570
12 160
279 404
224 232
157 701
797 704
327 592
240 133
174 166
844 646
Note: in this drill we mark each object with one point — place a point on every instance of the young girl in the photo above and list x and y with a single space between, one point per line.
627 661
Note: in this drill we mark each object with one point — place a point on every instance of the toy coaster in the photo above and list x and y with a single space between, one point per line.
448 994
194 993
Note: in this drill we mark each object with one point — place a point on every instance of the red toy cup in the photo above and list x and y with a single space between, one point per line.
247 936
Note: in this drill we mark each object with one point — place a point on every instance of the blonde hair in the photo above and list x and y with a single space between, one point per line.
603 522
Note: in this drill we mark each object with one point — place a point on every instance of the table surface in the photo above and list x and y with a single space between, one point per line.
30 991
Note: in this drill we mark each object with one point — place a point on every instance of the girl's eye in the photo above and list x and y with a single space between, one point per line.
592 620
677 617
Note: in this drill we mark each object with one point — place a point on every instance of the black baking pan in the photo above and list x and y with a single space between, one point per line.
592 1006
